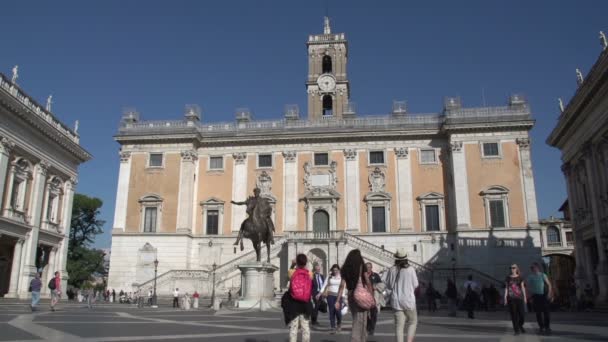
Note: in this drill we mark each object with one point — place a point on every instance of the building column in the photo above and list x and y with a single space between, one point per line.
405 195
351 167
461 185
6 146
290 191
31 242
186 191
15 269
61 258
122 192
525 162
580 274
239 189
602 265
50 270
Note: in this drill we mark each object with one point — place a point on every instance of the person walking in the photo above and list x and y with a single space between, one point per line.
296 302
374 279
401 282
55 287
431 296
35 286
515 299
542 292
451 293
471 296
176 298
90 298
113 296
317 283
356 280
330 290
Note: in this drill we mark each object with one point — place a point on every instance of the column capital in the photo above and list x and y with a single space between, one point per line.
239 157
43 167
189 156
290 156
124 156
523 143
350 154
6 145
21 241
72 182
456 146
402 152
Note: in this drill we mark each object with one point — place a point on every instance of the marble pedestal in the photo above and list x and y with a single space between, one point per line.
257 286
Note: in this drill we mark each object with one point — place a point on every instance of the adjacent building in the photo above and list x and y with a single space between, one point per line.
39 158
454 188
581 134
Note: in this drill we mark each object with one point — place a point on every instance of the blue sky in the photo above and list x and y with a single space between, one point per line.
98 57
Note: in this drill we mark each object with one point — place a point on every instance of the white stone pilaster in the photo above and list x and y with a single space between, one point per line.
186 191
16 269
461 185
122 192
5 150
351 169
51 269
239 189
62 252
405 195
290 191
529 192
31 243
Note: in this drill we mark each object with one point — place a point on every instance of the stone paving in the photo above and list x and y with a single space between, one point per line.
119 322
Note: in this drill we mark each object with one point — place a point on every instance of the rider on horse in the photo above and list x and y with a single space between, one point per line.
252 202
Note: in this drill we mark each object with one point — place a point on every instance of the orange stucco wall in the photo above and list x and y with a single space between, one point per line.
163 182
483 173
425 178
216 184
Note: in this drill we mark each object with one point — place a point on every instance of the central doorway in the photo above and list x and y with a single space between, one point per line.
320 222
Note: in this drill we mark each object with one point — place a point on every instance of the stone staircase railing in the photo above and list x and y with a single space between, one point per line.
175 274
231 265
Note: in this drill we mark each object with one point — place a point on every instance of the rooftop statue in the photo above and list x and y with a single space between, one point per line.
15 74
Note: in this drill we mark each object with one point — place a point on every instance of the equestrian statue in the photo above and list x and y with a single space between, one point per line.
258 225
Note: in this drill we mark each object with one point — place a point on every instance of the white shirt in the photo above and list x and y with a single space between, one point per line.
176 293
332 284
401 289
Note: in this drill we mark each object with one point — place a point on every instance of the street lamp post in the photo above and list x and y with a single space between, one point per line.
155 273
213 289
454 270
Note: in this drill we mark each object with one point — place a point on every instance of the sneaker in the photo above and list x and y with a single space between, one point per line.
516 332
370 333
339 328
548 331
523 331
332 331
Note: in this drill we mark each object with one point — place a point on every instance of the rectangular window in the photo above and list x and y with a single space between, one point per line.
15 195
49 209
569 238
378 220
156 160
212 222
376 157
490 150
265 160
431 213
150 218
321 159
428 157
497 214
216 163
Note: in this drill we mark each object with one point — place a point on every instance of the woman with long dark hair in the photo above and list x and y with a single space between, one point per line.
515 299
353 275
330 291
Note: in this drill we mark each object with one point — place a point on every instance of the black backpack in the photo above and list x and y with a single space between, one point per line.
52 284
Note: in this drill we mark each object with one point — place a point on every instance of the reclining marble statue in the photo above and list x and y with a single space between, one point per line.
258 225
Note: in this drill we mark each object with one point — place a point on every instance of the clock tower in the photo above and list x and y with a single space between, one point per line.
327 85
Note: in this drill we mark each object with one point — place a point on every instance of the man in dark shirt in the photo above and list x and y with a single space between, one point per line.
374 278
35 286
317 283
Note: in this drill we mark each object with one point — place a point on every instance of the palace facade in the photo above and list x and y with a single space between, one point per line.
581 135
39 158
455 188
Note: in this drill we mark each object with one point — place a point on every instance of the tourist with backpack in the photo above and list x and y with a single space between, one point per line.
356 280
401 282
515 299
55 287
35 286
296 302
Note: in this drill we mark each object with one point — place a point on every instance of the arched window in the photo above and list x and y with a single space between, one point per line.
327 67
320 221
553 238
328 106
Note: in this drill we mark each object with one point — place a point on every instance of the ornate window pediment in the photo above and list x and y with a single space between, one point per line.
496 203
213 216
151 207
494 190
320 178
432 211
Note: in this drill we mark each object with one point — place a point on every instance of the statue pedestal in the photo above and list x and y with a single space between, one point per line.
257 286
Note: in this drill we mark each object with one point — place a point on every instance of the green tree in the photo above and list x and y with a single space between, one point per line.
83 261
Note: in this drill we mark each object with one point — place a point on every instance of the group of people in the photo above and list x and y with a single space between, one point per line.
186 301
54 286
354 287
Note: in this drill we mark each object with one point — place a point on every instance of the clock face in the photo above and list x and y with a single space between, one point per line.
326 82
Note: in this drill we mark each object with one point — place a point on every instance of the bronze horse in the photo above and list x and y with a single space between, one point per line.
255 227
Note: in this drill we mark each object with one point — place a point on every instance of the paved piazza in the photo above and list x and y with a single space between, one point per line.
74 322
